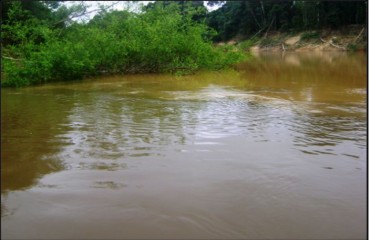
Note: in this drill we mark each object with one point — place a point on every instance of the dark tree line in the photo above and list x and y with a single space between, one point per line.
251 17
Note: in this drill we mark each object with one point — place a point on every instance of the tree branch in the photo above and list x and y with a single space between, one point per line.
273 19
13 59
359 35
84 13
332 44
259 31
283 47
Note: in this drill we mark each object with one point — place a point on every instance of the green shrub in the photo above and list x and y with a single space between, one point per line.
158 40
352 47
247 44
310 35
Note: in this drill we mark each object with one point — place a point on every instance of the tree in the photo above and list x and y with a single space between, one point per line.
164 38
249 18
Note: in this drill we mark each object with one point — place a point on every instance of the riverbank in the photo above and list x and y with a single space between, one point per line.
158 40
348 38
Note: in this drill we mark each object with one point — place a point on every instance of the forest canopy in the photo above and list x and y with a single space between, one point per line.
43 42
250 17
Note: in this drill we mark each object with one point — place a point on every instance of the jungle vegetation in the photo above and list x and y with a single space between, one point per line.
42 41
40 45
253 18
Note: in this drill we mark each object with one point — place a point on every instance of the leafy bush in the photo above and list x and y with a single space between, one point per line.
158 40
247 44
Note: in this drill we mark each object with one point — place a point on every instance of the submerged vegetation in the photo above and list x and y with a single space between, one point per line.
159 39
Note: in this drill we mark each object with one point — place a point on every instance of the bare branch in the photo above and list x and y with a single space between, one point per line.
273 19
84 13
13 59
332 44
283 47
358 36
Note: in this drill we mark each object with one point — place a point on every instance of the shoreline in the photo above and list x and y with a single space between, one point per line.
349 39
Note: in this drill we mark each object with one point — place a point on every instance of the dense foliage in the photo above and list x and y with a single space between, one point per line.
41 42
249 18
163 38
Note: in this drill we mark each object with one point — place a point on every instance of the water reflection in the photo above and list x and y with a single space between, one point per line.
276 149
315 79
30 142
118 127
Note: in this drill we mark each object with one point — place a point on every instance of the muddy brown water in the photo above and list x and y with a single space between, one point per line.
275 148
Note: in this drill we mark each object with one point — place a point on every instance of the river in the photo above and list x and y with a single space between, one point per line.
274 148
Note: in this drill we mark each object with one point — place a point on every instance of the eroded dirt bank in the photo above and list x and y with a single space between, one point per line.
349 38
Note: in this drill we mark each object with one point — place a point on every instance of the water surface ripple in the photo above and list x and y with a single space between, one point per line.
275 148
